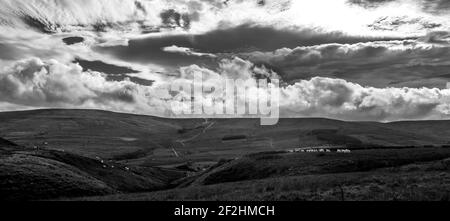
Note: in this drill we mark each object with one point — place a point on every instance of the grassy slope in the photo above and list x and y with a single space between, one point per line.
421 185
268 165
146 140
73 143
86 132
44 174
408 174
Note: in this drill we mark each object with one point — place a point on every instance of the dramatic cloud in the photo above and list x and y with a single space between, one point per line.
222 42
373 63
186 51
201 16
431 6
336 98
347 59
37 83
370 3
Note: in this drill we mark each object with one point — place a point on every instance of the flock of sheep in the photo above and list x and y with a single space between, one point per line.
105 165
319 150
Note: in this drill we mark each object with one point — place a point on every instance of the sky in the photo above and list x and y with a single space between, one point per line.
356 60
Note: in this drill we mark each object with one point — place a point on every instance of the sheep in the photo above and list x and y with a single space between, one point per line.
344 151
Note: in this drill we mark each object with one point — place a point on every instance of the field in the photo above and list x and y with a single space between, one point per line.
98 155
412 174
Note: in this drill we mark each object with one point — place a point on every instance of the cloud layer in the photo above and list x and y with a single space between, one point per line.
38 83
381 60
412 63
336 98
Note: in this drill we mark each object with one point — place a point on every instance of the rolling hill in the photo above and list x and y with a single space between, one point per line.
153 141
48 154
387 174
34 173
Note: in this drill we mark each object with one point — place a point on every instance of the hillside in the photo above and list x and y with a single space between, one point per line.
31 174
47 154
153 141
389 174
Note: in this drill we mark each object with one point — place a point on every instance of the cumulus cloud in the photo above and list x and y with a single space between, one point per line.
186 51
378 63
337 98
390 64
222 43
37 83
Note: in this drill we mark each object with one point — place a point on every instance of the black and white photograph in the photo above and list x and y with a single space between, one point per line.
225 101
